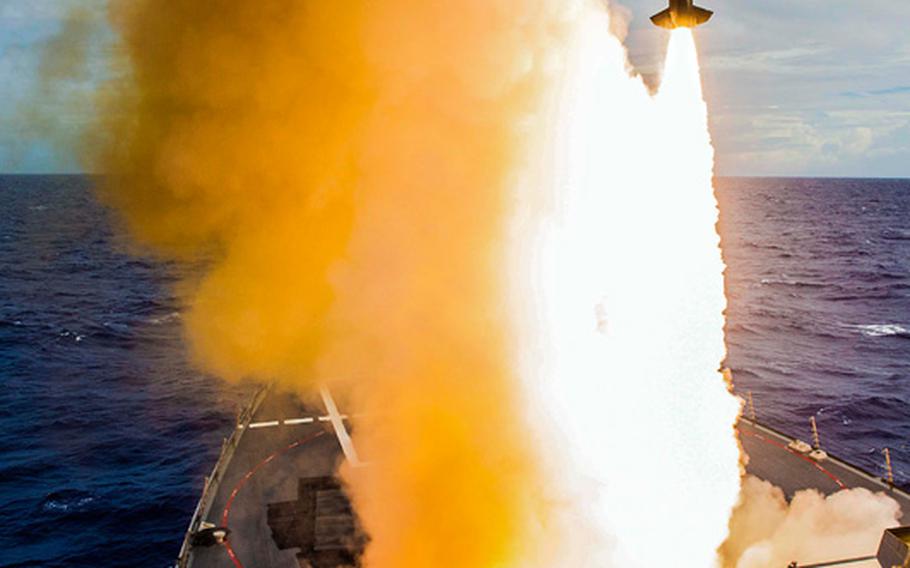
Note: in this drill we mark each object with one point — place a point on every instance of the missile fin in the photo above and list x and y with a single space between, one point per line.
664 19
701 15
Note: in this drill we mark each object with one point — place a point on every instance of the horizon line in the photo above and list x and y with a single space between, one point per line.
738 176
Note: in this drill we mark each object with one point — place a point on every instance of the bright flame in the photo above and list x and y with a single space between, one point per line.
627 294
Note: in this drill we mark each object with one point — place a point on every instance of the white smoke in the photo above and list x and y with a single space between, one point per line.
622 287
768 532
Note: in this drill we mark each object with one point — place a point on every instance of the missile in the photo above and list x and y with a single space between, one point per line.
681 14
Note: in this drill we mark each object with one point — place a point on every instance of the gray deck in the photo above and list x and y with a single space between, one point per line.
279 479
275 481
771 460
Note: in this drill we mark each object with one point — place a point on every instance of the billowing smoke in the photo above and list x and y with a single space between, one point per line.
767 532
347 172
345 168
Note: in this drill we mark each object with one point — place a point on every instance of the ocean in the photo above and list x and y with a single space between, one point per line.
818 322
106 430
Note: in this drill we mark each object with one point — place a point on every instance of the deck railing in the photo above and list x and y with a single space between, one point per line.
213 481
749 415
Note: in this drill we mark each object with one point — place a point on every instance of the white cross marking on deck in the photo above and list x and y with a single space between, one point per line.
341 432
293 421
289 422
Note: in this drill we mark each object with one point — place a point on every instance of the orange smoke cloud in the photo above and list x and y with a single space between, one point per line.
233 133
345 169
421 318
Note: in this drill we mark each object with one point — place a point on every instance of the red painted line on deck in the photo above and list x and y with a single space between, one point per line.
243 481
833 477
230 551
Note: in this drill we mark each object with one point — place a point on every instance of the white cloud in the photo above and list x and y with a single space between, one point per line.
801 144
777 60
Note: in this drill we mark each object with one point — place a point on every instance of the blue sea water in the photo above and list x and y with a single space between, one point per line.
106 430
818 323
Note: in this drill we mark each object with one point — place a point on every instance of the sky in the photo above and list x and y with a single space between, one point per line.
45 103
807 88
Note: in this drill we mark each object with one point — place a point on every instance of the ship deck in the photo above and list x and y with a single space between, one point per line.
771 459
276 487
284 442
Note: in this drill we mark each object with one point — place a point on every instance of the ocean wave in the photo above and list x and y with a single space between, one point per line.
838 415
159 320
67 501
110 332
892 234
75 336
884 330
870 412
741 328
875 274
785 280
857 296
762 246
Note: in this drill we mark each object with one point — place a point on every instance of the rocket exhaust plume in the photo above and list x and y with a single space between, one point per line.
622 281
